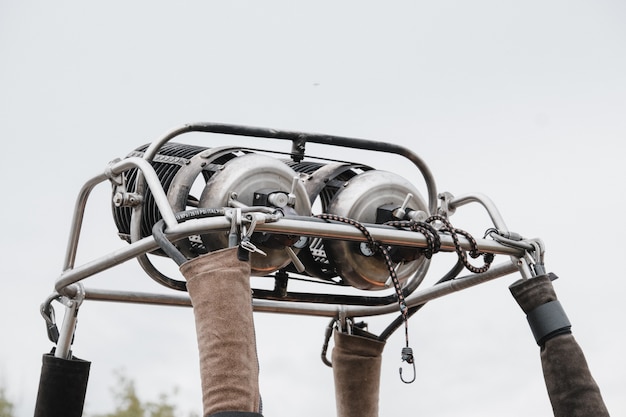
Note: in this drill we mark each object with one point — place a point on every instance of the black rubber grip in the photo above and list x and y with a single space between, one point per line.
548 320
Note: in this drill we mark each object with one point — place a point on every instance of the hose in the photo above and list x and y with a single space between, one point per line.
158 231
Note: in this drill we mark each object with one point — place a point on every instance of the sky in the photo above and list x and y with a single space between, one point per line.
522 101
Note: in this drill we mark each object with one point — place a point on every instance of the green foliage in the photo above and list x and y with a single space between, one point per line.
6 406
128 404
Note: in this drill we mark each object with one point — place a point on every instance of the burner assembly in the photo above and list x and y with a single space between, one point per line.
361 237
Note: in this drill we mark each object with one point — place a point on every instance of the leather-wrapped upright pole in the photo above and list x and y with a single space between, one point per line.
356 364
572 390
219 287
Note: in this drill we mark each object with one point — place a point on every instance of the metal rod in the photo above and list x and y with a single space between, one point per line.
498 221
298 227
312 309
385 235
438 290
71 276
77 220
153 182
66 334
461 283
410 286
180 300
295 136
115 168
486 202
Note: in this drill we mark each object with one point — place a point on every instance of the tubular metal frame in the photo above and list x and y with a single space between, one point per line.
69 282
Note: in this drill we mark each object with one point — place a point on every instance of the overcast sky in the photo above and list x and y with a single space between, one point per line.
523 101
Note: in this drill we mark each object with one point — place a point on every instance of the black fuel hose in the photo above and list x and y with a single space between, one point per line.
158 230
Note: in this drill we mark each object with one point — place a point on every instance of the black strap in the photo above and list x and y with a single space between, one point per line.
547 321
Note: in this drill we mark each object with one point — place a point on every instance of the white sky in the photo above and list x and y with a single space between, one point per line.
523 101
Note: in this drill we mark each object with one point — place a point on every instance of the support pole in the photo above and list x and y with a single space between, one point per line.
572 390
219 287
356 369
62 387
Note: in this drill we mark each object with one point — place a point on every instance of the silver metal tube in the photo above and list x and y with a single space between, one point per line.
180 300
66 334
71 276
154 147
87 188
498 222
384 235
417 298
77 220
454 285
314 309
153 183
322 229
486 202
140 247
436 291
421 165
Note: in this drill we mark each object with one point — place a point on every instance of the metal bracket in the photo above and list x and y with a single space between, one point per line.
297 148
116 179
537 256
47 312
445 209
121 196
234 215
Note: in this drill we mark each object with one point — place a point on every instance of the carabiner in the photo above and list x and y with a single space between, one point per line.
47 312
234 215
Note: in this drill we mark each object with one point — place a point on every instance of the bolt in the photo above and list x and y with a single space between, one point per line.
365 249
118 199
